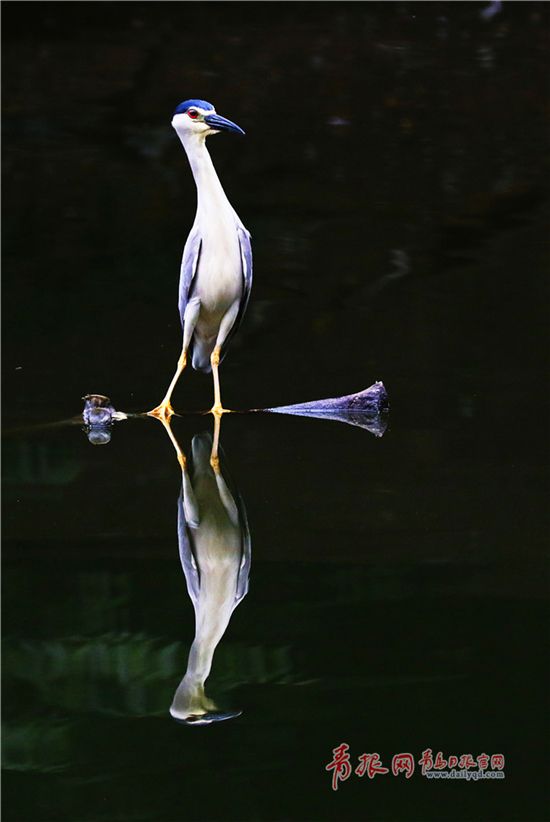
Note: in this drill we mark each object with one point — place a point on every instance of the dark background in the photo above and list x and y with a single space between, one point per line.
394 177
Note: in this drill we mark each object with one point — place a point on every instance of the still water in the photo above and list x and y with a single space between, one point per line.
386 592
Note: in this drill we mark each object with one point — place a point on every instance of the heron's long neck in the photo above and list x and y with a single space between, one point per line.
210 194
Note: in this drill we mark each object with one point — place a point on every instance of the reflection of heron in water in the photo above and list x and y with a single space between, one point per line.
214 544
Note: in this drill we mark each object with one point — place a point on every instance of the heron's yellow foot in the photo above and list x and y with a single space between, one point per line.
218 409
164 411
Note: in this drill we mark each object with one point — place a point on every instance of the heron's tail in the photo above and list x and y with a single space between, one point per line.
202 349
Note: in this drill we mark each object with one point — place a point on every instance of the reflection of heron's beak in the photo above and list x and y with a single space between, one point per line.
208 718
167 424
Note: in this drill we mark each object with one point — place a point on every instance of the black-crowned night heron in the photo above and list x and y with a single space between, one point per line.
216 269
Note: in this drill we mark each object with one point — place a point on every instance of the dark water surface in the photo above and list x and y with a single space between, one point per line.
394 179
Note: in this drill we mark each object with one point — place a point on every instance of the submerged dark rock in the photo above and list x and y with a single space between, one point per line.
98 417
98 409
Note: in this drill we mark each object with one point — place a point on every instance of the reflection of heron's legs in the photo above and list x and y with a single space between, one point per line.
190 504
227 499
214 459
181 456
225 327
190 317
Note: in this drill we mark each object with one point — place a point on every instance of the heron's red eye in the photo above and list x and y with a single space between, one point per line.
193 113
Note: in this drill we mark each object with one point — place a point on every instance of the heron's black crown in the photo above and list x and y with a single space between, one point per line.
182 108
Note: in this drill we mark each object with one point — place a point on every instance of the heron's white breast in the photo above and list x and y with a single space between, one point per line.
219 279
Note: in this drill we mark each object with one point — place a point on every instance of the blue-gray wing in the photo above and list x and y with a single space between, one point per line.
246 257
246 268
188 561
246 549
189 264
246 556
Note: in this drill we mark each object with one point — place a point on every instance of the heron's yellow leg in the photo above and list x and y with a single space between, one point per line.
164 411
217 408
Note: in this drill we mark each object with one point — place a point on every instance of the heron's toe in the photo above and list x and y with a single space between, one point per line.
163 411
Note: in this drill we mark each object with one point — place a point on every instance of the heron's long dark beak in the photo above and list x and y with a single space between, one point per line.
221 124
